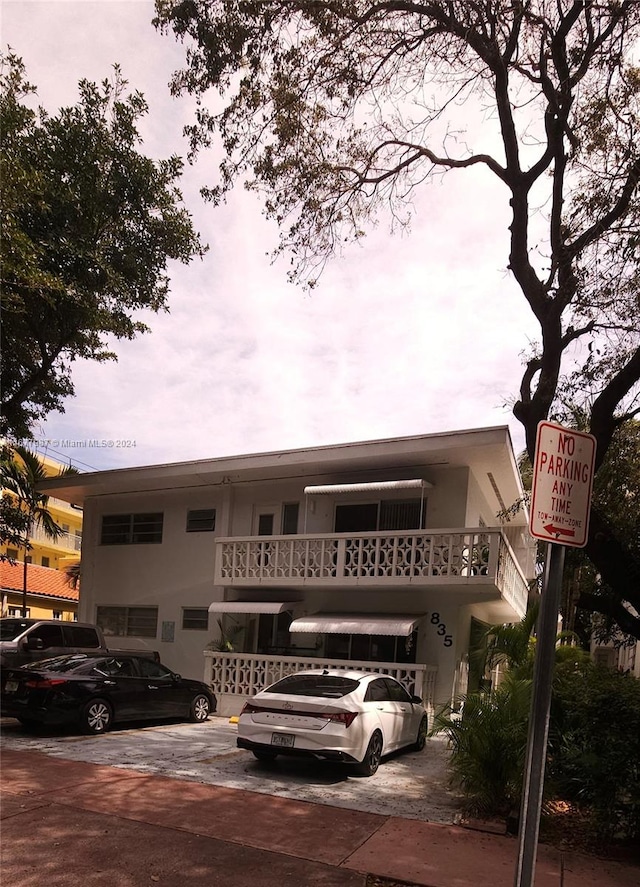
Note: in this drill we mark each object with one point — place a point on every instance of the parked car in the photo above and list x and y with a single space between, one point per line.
348 716
29 640
96 691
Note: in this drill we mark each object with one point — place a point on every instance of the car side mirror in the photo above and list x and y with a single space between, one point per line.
417 700
35 644
176 676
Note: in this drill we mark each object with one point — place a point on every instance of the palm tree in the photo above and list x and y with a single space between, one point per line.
72 574
21 473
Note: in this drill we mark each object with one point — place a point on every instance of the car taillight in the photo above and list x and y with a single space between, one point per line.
247 708
338 717
341 717
45 683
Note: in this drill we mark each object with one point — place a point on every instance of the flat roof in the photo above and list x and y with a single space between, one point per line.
487 451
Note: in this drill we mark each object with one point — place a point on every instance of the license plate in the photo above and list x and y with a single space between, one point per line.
11 687
285 740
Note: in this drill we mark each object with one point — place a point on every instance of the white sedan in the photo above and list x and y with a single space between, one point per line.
349 716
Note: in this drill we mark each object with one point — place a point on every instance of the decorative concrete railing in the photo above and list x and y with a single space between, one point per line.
470 556
236 677
65 540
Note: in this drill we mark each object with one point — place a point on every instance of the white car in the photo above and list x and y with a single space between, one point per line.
349 716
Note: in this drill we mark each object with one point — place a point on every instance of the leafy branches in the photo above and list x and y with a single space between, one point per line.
88 226
335 110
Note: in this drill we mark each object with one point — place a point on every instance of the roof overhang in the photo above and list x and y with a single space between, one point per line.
344 623
487 452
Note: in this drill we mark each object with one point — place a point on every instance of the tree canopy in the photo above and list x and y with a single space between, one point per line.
88 226
334 110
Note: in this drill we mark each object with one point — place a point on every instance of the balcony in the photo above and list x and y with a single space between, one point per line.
67 541
467 558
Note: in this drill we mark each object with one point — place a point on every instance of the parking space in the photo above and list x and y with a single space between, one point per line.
409 784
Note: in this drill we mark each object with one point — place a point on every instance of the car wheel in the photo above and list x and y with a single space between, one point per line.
267 757
96 717
421 739
371 760
200 708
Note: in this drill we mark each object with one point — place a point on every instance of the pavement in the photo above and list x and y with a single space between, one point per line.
69 822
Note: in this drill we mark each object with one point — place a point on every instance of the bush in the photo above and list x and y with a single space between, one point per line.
594 747
488 746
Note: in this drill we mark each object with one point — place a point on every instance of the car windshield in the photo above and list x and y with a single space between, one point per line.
10 629
330 686
57 663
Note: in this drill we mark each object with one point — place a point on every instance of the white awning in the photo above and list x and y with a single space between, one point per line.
251 606
333 489
344 623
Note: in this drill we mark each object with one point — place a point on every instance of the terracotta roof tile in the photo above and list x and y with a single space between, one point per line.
40 580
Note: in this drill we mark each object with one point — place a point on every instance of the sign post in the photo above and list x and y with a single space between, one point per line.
560 503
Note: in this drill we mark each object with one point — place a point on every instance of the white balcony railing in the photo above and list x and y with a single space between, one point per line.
245 674
69 541
427 558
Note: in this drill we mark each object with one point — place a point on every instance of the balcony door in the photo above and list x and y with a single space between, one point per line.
359 517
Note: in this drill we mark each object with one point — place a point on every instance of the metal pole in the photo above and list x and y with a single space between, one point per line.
547 629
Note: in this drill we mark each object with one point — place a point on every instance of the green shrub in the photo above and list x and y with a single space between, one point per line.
594 747
488 746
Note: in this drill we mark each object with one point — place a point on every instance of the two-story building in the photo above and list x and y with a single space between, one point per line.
380 555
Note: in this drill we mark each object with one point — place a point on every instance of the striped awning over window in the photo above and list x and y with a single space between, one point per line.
251 606
366 623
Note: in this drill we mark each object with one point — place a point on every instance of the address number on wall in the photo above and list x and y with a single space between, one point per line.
441 630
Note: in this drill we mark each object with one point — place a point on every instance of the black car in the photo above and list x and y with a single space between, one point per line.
95 691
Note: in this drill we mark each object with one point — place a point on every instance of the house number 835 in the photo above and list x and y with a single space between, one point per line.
441 630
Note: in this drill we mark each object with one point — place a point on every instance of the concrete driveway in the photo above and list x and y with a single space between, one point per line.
408 784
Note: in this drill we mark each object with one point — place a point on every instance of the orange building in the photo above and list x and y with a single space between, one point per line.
49 595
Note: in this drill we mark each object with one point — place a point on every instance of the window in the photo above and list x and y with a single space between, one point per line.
290 511
150 669
406 514
12 554
57 614
16 612
81 636
28 559
116 667
50 635
128 621
132 529
371 648
265 525
201 520
327 686
195 618
45 563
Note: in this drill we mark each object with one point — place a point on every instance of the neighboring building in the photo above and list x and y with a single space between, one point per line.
58 553
49 595
625 658
384 554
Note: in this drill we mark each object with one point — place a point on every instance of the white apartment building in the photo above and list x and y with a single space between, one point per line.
377 555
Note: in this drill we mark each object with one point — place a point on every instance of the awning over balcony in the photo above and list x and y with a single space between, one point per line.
344 623
333 489
251 606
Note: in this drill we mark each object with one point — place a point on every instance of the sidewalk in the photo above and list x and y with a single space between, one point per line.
70 823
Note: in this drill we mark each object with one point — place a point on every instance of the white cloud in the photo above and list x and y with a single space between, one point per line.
414 333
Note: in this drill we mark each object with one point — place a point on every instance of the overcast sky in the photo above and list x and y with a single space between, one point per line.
414 333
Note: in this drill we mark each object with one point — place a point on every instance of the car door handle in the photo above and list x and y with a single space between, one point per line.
110 683
152 687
